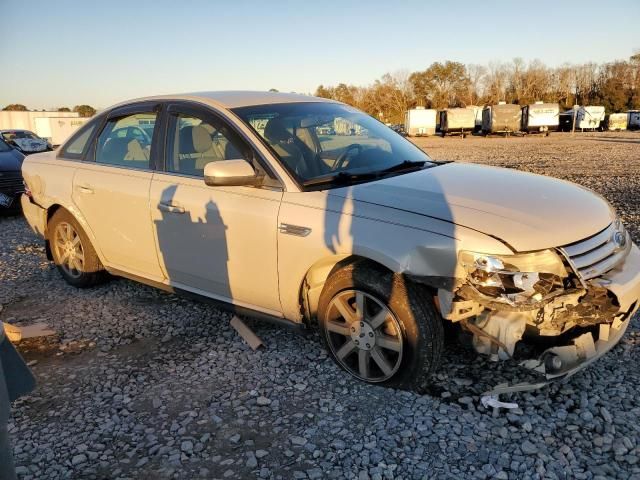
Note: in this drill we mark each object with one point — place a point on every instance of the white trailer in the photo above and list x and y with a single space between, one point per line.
540 117
589 117
57 129
27 120
633 120
616 121
420 121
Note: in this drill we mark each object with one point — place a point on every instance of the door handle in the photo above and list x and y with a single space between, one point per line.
171 208
85 189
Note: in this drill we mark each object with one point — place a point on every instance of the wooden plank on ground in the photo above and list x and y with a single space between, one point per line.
16 333
246 333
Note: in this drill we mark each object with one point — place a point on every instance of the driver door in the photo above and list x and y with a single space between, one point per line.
215 241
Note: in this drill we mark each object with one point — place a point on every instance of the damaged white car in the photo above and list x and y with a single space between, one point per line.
25 141
305 210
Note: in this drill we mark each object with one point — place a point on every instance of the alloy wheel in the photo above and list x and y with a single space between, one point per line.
68 248
364 335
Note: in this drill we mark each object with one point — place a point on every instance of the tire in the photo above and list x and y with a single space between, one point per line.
72 252
412 331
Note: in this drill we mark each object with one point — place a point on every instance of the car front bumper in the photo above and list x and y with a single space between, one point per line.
11 185
583 350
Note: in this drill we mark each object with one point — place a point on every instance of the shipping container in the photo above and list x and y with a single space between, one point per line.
27 120
57 129
457 121
540 117
633 120
502 118
616 121
420 121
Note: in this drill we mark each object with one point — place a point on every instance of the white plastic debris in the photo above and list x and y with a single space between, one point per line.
494 402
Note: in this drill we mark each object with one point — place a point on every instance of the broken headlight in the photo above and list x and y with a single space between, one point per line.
516 280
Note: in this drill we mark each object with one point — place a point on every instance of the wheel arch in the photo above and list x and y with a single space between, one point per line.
317 275
51 210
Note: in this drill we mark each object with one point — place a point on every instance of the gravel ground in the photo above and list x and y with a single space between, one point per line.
142 384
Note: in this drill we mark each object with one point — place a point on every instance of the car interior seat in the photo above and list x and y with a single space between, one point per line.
195 149
286 146
114 151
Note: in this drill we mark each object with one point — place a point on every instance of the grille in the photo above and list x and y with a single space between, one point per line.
11 182
598 254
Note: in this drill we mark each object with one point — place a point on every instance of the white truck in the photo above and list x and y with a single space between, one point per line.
58 129
10 120
420 121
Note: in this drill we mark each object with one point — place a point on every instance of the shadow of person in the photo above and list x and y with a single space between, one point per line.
193 251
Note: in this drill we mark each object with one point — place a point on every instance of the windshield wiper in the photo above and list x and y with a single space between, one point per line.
406 165
346 177
340 178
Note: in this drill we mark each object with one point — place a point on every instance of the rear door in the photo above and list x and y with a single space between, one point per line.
111 190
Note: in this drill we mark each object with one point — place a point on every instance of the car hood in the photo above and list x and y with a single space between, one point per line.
31 144
526 211
11 161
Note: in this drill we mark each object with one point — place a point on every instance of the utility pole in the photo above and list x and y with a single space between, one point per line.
575 108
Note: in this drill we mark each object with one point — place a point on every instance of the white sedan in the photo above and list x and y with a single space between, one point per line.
306 210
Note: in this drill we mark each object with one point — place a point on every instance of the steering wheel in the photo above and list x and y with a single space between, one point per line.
344 155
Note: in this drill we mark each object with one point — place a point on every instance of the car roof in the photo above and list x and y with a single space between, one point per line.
239 98
236 98
7 130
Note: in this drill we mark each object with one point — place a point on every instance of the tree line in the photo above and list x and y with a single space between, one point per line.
82 110
615 85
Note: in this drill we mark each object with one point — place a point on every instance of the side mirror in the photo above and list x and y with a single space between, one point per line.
226 173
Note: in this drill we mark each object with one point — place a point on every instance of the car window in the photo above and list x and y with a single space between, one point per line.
77 145
316 140
194 142
124 143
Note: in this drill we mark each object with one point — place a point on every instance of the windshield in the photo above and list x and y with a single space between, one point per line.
18 135
318 140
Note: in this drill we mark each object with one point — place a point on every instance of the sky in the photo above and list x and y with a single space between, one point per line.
70 52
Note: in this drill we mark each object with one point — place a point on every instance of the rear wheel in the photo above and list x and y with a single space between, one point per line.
380 328
72 251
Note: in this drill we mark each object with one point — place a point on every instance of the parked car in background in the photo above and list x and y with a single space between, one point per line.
399 129
238 199
11 185
25 141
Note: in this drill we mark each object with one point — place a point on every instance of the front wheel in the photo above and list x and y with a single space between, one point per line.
72 251
379 327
